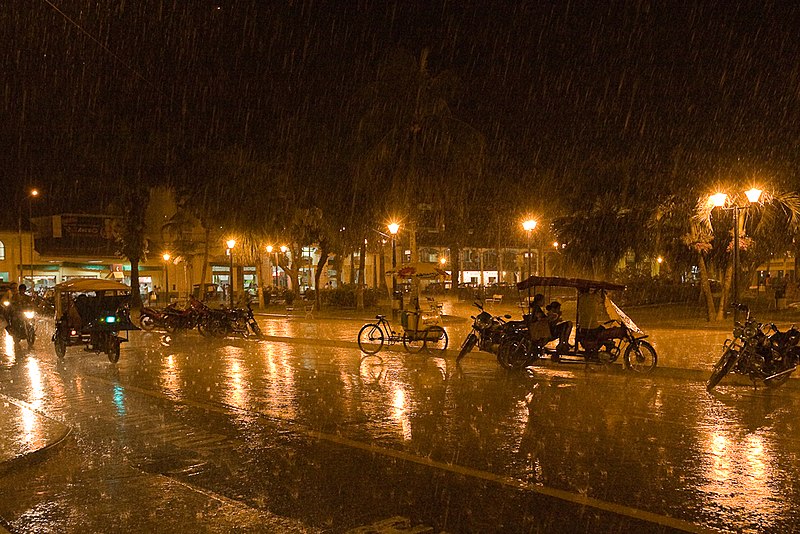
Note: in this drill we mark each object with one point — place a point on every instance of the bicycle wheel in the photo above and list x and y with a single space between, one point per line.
370 338
414 341
435 340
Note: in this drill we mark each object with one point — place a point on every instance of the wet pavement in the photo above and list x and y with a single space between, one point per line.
301 433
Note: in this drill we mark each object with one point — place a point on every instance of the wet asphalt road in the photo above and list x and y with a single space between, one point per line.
252 436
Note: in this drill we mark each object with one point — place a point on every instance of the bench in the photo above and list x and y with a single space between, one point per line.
497 299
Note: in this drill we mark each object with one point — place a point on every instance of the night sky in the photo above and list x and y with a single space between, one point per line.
708 86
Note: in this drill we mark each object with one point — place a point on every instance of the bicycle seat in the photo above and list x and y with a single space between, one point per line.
379 317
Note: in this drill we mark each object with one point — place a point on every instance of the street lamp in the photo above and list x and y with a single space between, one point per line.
230 243
34 194
529 226
393 229
166 258
719 200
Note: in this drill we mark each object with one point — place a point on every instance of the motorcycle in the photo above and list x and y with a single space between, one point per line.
172 318
21 323
224 322
487 332
758 351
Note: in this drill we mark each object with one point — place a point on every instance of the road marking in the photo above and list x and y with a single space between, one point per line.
575 498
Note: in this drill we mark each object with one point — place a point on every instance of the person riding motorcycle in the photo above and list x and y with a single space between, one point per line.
18 301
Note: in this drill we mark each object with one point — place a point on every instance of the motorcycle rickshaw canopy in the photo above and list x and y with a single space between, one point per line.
587 289
99 286
578 283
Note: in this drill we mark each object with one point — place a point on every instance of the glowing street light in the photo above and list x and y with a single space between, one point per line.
166 258
719 200
529 225
393 229
231 243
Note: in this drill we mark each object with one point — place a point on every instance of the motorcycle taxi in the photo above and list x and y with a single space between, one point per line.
92 312
602 331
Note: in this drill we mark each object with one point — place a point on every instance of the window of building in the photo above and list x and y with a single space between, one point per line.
2 251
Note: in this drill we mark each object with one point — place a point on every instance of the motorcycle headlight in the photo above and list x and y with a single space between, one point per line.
29 314
6 303
750 331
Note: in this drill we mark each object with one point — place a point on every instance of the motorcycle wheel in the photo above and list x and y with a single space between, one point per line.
60 346
113 349
640 356
467 346
514 353
370 338
722 368
147 322
170 325
31 337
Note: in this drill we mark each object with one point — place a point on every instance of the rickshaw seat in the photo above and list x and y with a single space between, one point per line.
539 330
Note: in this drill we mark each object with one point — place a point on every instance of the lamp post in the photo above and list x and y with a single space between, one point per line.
719 200
270 248
230 243
166 258
529 226
34 193
393 229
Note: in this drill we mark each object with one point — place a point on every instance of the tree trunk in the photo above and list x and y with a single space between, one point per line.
360 286
260 276
136 296
705 288
323 259
455 261
726 286
204 271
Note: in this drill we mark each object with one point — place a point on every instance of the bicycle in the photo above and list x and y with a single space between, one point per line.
432 337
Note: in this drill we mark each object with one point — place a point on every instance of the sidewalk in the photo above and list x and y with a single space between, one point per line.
18 443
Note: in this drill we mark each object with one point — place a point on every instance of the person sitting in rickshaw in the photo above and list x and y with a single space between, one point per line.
595 321
559 328
536 312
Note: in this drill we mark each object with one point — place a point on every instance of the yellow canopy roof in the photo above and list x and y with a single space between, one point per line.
91 284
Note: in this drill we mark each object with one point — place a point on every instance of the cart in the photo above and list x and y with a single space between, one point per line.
602 331
420 330
92 313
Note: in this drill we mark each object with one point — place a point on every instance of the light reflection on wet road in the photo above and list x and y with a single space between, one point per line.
320 434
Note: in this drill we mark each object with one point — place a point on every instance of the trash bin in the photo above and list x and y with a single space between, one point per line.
780 297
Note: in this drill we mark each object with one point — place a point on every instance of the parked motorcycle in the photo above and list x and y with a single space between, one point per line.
487 332
759 351
224 322
21 323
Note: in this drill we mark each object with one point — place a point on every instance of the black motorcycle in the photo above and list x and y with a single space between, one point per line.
21 323
759 351
487 332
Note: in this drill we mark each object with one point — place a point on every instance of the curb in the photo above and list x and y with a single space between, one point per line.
60 434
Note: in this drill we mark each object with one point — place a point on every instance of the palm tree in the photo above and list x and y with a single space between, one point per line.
769 222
